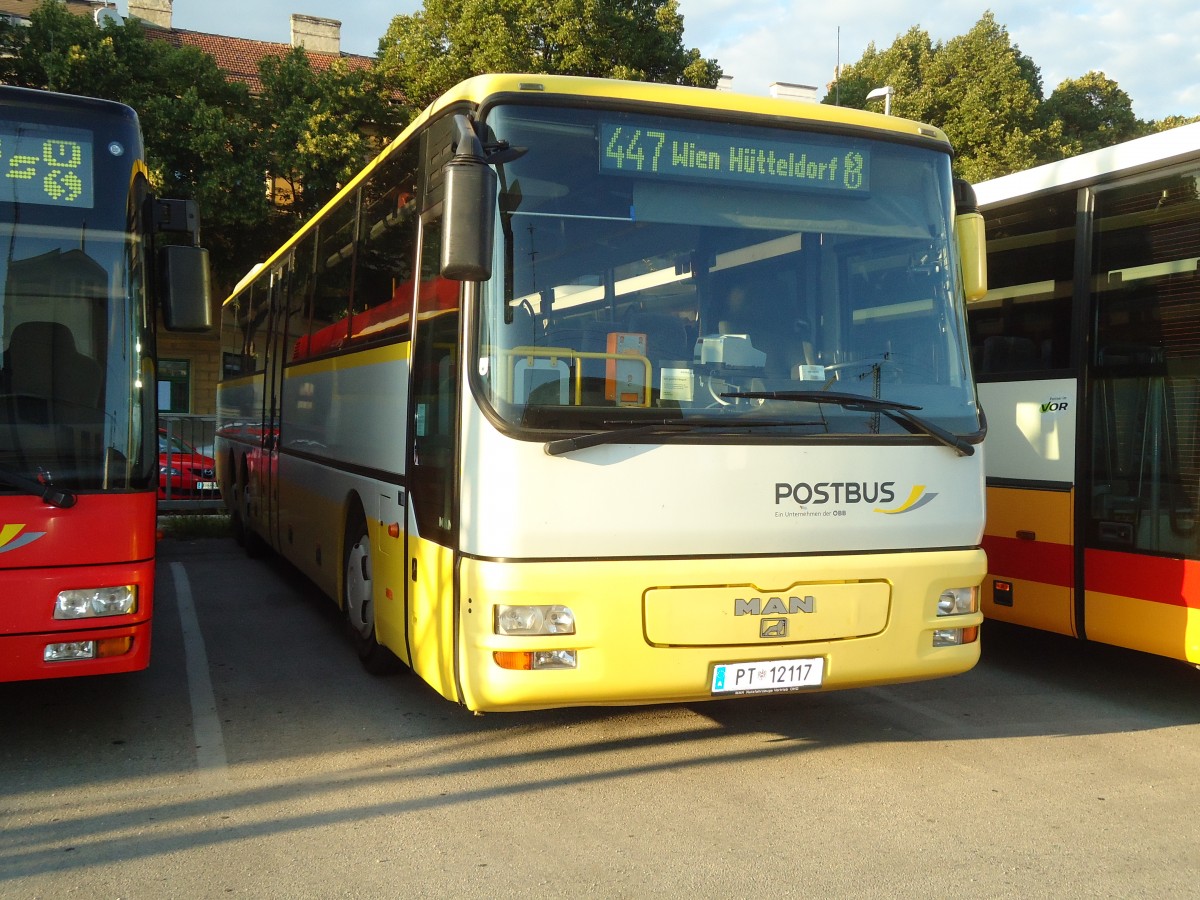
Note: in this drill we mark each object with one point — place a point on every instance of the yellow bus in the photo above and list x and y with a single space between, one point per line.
1087 351
588 392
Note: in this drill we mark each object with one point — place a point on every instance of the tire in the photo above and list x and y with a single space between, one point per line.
250 540
359 600
234 504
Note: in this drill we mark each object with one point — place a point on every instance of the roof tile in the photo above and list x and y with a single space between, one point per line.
238 58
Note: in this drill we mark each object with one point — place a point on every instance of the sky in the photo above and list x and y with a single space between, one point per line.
1150 49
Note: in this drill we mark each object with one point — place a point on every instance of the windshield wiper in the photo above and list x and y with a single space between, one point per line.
897 412
59 497
672 426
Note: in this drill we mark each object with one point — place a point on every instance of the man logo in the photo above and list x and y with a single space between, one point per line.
774 606
773 628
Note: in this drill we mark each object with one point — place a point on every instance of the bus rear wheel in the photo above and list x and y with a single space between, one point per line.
359 600
243 531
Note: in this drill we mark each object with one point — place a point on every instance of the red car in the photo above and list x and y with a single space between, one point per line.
184 473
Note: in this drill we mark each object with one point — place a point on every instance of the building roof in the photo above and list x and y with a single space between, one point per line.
23 8
238 58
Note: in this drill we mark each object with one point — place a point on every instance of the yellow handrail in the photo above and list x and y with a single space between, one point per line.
578 356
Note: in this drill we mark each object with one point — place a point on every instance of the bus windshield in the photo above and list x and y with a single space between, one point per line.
71 276
654 268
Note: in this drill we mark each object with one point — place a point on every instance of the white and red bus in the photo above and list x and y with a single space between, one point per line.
78 442
1087 350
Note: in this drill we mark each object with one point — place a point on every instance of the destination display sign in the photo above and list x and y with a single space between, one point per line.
45 166
662 150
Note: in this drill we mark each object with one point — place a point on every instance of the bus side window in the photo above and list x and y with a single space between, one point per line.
300 299
333 299
1023 325
231 338
383 288
251 317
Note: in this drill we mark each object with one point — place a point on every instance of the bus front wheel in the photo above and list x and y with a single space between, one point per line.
359 601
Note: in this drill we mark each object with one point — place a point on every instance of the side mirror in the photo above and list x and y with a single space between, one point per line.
184 288
469 210
972 242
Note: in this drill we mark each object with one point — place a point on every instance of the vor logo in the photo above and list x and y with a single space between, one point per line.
12 539
916 499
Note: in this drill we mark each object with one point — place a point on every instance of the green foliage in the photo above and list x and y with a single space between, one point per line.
208 138
424 54
1095 113
987 96
195 526
195 123
899 66
1170 122
318 128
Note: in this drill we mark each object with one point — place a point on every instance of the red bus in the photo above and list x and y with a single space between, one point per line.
78 435
1087 353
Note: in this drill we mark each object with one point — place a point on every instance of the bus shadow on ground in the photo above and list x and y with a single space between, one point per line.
1027 682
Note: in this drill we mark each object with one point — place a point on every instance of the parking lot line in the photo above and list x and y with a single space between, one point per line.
206 724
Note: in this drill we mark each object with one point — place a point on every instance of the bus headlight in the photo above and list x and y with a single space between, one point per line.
91 603
958 601
76 650
526 620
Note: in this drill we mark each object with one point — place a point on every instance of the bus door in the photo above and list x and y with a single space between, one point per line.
272 398
1141 563
1029 388
432 471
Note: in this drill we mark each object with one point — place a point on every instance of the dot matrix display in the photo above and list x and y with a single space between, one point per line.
663 151
45 166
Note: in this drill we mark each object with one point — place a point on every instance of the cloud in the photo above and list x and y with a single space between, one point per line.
1149 49
1138 46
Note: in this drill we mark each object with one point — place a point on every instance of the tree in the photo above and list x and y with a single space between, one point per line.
901 67
318 128
424 54
207 138
196 124
978 87
1095 113
59 51
1170 122
987 96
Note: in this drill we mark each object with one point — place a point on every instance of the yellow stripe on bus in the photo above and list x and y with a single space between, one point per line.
1159 628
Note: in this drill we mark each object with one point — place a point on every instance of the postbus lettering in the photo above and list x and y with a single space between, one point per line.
848 492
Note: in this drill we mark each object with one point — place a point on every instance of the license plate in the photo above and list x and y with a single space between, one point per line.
765 677
206 485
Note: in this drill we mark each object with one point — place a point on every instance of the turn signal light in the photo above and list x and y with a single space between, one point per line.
113 647
513 659
525 660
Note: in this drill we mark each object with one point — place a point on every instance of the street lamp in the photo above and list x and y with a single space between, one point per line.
886 94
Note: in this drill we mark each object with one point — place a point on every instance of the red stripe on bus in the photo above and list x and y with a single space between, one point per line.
1039 561
1154 578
